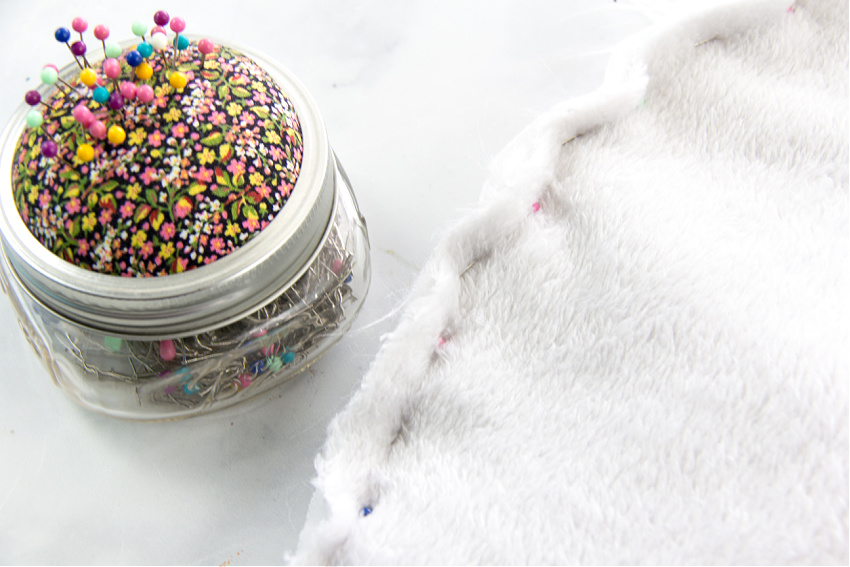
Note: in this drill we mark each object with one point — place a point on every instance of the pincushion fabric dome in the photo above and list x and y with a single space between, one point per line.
202 171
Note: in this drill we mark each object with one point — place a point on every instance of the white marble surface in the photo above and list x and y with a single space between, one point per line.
417 97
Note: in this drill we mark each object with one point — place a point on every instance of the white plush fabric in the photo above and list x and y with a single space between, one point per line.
652 367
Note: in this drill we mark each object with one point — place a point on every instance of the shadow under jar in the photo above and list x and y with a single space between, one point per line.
212 322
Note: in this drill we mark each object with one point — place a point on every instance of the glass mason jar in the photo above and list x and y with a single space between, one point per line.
187 343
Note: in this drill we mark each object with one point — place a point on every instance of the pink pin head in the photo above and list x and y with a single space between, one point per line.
144 93
178 25
160 18
158 29
101 32
52 66
205 46
128 90
112 68
79 24
83 115
167 351
88 119
98 130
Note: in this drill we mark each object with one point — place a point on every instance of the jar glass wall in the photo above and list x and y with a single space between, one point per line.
176 376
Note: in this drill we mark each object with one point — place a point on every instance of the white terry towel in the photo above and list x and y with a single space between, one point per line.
634 350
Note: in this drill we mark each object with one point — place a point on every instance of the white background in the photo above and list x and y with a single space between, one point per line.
417 97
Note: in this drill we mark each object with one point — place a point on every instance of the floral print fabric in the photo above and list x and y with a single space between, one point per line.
200 172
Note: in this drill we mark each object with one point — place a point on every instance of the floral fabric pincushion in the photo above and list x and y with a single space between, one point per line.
202 171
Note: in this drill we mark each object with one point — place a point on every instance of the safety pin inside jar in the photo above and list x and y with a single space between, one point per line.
190 342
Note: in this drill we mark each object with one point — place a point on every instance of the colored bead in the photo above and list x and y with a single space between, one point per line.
117 136
336 266
205 46
182 43
116 102
166 347
159 41
87 118
101 32
160 18
80 24
274 364
178 80
83 115
98 129
62 35
145 49
100 95
34 119
257 367
144 71
157 29
78 48
244 380
49 148
365 511
134 58
113 49
288 357
144 93
85 153
32 98
139 28
177 25
88 77
535 207
112 343
128 90
49 75
112 68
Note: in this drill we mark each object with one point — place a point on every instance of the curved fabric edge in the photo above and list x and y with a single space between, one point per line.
345 485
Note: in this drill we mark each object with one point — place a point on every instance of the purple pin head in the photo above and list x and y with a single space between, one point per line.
78 48
32 98
49 148
160 18
116 101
